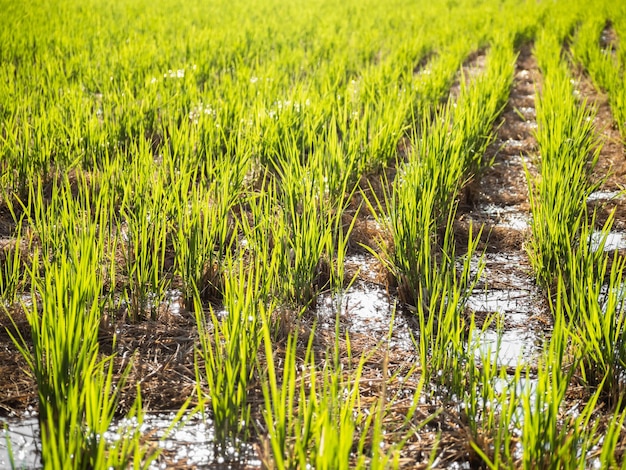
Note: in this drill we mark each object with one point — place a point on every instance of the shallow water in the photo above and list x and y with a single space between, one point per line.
604 195
513 347
365 309
24 440
506 216
191 445
614 241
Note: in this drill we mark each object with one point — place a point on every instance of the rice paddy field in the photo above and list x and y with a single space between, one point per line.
312 234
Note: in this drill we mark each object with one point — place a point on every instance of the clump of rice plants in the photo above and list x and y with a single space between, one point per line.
77 397
226 358
320 421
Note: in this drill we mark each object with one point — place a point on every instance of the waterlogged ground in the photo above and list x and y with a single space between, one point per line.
192 444
368 310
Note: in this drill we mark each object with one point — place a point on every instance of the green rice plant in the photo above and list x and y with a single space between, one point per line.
289 131
419 258
490 403
77 396
381 121
204 232
41 213
279 401
12 270
316 419
303 232
594 305
144 228
412 221
610 450
552 438
541 438
493 415
443 328
339 172
569 152
226 358
9 447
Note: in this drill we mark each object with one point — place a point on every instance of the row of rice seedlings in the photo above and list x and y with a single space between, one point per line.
499 408
569 151
77 395
587 278
423 199
603 63
422 261
586 346
588 328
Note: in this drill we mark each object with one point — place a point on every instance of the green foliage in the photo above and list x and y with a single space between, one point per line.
220 148
229 353
77 395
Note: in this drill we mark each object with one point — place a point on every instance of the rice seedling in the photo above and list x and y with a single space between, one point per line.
318 421
144 228
204 231
552 436
491 406
610 441
594 305
9 448
12 273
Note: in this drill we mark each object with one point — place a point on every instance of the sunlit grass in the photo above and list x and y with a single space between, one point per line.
227 152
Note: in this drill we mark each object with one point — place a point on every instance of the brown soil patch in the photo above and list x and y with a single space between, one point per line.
19 390
504 182
609 40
